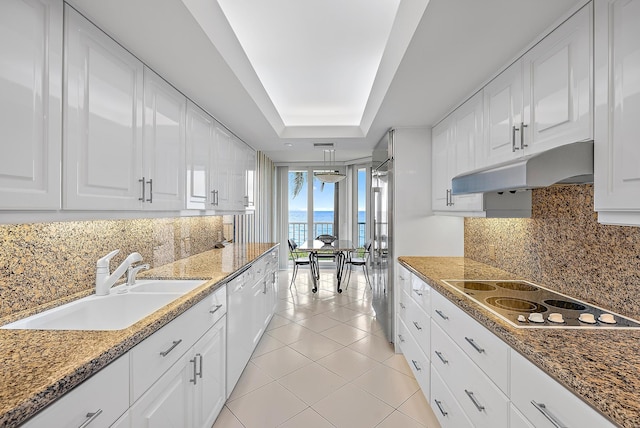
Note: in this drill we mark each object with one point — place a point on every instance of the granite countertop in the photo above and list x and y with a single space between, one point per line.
39 366
602 367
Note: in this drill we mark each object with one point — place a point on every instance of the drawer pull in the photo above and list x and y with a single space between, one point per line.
171 348
215 310
439 312
195 371
200 358
401 338
402 305
475 346
90 418
439 404
417 325
443 359
417 292
474 401
415 364
547 414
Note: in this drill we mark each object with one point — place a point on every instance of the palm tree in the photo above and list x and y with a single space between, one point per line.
296 183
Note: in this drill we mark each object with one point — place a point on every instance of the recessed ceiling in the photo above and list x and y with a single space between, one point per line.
336 45
436 53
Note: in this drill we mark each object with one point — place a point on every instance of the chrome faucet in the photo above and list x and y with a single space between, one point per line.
105 280
132 271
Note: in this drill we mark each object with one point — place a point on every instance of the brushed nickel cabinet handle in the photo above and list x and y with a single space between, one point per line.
415 323
415 364
443 359
90 418
513 139
401 338
443 316
522 144
150 183
439 404
474 401
141 181
402 305
171 348
195 372
547 414
213 311
475 345
417 292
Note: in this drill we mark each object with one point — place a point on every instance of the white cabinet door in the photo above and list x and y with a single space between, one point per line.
466 145
249 178
557 83
210 385
502 116
239 334
222 161
164 144
201 138
617 135
102 120
101 398
30 105
440 140
169 402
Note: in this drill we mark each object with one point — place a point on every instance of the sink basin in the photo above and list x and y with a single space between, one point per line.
113 312
165 286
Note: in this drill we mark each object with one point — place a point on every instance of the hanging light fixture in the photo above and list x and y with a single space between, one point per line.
329 174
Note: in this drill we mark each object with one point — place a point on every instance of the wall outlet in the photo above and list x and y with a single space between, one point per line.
492 252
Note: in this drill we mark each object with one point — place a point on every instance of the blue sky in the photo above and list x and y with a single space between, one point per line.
324 199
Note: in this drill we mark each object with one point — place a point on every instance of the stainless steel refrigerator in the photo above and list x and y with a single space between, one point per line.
382 249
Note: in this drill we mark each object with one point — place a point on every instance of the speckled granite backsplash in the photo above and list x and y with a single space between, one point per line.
47 261
564 247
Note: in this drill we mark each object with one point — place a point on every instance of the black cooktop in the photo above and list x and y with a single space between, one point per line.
524 304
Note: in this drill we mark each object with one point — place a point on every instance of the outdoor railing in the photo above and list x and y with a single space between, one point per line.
298 231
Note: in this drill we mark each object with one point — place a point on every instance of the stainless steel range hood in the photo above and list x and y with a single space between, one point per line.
568 164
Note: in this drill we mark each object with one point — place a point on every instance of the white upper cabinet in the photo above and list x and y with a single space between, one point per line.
164 144
617 136
502 115
102 120
30 104
544 99
454 144
557 81
201 138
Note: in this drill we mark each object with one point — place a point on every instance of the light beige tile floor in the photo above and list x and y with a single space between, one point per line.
324 362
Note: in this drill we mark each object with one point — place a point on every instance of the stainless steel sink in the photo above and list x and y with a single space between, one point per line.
115 311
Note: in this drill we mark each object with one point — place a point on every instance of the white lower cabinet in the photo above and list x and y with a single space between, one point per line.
445 406
192 392
417 360
251 304
482 401
474 379
546 403
101 399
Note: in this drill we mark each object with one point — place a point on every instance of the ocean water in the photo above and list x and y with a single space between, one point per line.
318 216
323 225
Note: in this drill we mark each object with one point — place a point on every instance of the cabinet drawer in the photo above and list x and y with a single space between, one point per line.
517 420
106 394
485 349
445 406
403 305
161 350
417 360
418 323
404 278
540 399
421 293
483 402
